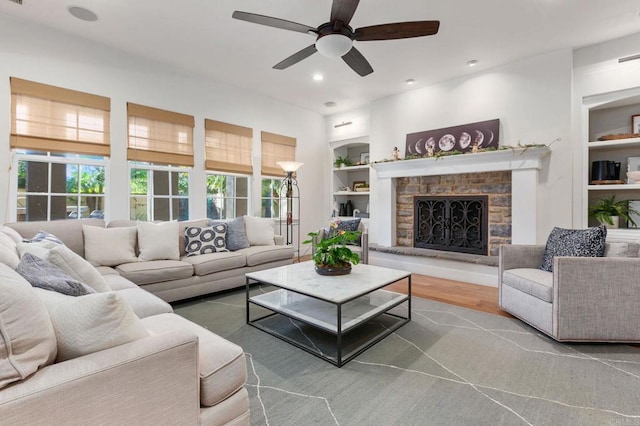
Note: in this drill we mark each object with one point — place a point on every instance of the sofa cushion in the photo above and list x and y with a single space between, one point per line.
27 338
155 271
44 274
109 246
535 282
260 230
223 368
143 303
257 255
78 268
236 233
9 256
106 270
12 233
158 241
118 282
92 323
574 242
205 239
216 262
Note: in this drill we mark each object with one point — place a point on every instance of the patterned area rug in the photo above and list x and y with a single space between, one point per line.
448 366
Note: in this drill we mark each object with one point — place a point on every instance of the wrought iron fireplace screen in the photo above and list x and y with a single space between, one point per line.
451 223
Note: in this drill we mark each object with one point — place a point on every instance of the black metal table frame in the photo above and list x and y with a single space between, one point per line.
339 361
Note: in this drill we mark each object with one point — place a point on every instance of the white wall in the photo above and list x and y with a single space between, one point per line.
532 99
599 78
43 55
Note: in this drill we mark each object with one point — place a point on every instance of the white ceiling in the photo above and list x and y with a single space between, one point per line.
200 36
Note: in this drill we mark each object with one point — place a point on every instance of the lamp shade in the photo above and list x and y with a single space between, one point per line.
334 45
289 166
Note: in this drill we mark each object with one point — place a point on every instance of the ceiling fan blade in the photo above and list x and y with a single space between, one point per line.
357 62
397 30
273 22
296 57
343 10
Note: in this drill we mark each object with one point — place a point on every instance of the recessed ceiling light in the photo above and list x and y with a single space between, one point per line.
410 81
82 13
330 104
472 63
318 77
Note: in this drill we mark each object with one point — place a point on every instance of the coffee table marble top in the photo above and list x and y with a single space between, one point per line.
302 278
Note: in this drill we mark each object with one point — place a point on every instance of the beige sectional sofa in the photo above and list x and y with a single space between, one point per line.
168 370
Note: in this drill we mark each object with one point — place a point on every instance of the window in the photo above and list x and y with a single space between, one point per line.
53 187
158 192
270 206
60 138
227 196
159 150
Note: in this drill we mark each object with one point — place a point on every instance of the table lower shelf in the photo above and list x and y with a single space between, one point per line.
323 314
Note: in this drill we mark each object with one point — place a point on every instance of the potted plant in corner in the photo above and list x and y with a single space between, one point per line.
332 256
608 212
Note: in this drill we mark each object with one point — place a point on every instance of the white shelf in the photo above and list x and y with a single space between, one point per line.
351 168
621 187
350 193
619 143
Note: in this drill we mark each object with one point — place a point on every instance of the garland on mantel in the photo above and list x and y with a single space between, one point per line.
441 154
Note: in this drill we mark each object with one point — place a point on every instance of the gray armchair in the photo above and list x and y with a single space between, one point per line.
583 299
363 244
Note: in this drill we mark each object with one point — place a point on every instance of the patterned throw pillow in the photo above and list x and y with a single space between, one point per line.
44 236
574 242
206 239
349 225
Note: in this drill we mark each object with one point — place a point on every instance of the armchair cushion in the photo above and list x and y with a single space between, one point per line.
575 243
535 282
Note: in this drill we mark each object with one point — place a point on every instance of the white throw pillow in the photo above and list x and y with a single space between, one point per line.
74 265
260 230
9 257
92 323
109 246
27 338
39 248
158 241
7 241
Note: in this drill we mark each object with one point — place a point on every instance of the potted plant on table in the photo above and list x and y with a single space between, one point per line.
608 212
332 256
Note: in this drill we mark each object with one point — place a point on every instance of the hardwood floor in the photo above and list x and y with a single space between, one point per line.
472 296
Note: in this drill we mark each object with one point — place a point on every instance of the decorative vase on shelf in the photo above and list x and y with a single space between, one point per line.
343 210
349 208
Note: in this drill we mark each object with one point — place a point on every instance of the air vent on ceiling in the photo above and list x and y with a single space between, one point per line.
16 1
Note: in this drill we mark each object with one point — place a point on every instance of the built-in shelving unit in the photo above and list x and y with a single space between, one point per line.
343 178
609 119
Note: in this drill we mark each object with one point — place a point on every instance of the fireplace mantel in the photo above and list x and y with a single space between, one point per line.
524 164
490 161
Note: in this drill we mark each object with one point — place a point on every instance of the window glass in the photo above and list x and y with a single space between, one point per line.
269 197
158 192
227 196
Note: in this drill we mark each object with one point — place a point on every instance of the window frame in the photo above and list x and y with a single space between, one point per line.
150 195
248 198
47 157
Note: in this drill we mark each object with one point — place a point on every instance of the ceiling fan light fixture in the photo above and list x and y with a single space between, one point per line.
334 45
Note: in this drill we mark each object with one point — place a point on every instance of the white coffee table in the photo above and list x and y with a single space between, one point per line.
333 317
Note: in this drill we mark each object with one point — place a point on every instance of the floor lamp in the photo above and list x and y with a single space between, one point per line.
290 193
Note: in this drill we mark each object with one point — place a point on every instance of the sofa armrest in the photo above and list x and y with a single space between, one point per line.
153 380
596 298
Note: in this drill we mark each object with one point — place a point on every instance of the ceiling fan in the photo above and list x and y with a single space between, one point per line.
335 38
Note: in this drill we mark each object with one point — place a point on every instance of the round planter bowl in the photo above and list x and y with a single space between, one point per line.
333 270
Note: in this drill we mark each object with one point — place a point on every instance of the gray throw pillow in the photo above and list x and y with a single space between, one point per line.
574 242
206 239
44 274
236 234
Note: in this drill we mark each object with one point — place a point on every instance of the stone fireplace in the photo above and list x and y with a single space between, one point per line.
508 177
466 212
